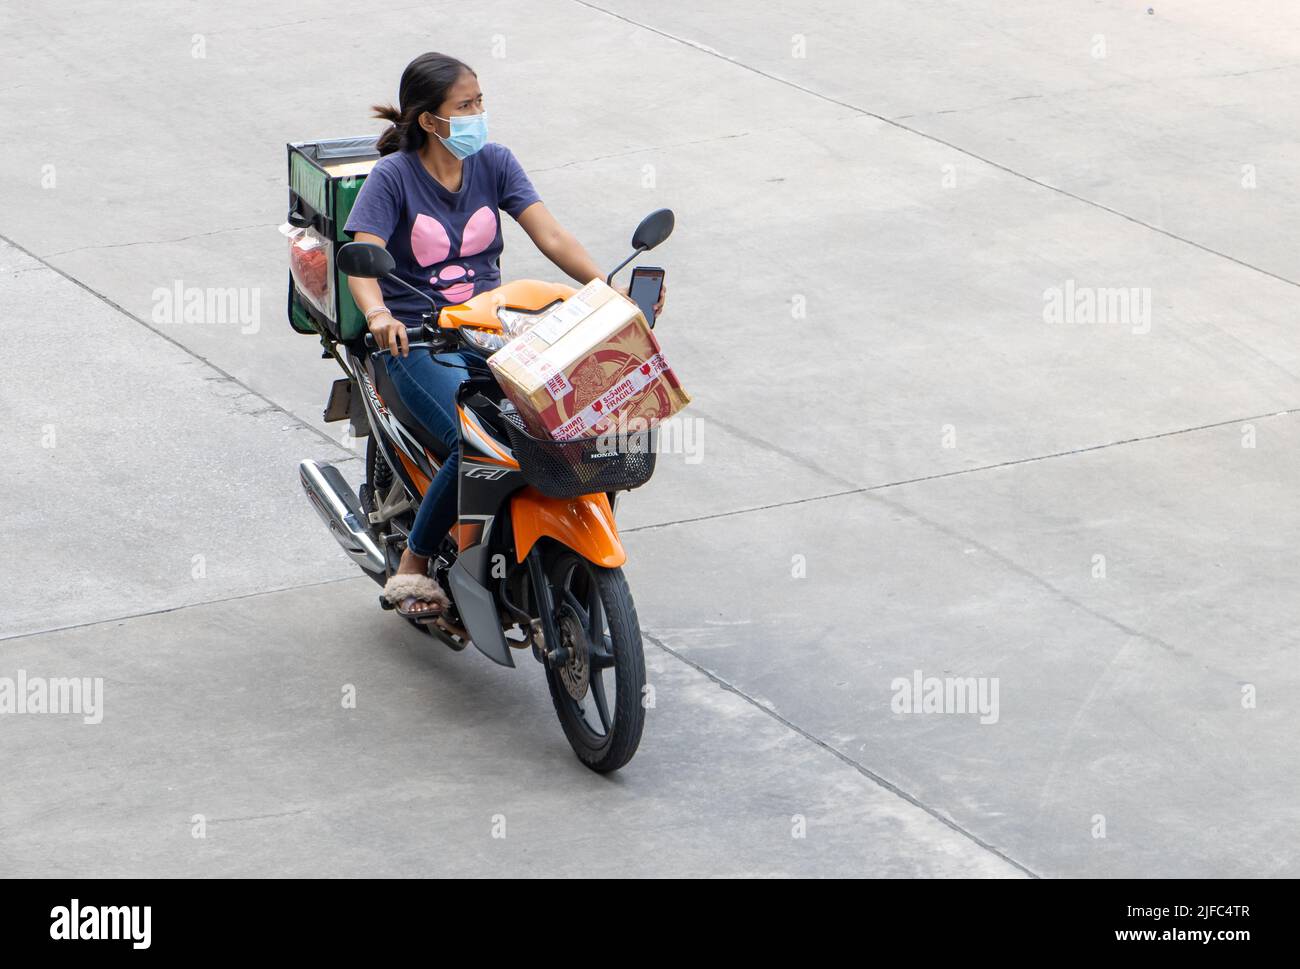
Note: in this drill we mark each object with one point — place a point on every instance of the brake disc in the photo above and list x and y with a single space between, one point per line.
576 673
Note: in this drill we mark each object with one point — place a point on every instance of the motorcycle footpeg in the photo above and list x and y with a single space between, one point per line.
385 604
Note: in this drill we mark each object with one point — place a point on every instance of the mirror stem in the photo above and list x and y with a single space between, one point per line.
609 280
403 282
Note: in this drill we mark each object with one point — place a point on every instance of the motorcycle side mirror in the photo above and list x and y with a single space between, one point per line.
365 259
654 229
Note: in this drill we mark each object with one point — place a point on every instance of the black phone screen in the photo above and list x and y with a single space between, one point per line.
647 284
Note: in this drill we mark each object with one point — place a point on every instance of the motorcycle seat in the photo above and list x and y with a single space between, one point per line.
387 391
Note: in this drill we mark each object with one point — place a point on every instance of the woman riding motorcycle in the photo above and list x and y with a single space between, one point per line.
433 201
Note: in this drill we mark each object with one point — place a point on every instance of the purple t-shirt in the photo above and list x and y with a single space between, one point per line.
447 244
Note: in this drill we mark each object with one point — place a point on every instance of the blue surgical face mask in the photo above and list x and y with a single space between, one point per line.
468 133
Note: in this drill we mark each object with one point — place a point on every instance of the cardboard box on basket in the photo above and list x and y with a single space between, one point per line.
586 366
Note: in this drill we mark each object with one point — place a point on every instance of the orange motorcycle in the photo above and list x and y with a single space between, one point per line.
534 561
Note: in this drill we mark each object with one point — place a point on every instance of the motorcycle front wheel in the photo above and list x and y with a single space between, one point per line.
599 693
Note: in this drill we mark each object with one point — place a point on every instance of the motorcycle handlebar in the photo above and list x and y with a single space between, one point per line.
414 334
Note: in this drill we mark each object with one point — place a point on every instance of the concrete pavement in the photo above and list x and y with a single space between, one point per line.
908 463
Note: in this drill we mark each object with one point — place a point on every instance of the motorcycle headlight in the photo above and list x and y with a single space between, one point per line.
516 322
488 340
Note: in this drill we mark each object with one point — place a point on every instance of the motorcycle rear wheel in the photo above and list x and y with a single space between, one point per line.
592 602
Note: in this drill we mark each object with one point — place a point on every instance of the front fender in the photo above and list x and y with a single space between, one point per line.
585 524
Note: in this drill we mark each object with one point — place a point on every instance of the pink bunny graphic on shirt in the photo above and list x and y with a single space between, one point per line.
431 244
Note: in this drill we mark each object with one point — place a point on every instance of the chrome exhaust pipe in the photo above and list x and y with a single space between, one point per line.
339 508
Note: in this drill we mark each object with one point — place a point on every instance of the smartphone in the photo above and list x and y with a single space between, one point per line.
647 284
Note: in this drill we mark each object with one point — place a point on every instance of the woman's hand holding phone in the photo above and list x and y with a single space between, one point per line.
659 306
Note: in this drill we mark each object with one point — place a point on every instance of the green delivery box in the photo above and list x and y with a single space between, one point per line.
324 179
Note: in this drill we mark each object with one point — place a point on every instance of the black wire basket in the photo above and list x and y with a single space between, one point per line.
566 469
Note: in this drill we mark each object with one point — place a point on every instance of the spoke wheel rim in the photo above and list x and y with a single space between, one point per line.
577 593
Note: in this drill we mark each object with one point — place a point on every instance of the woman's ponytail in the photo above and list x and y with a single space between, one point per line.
391 140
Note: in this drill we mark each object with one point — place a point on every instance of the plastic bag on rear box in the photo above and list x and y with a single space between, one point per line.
311 262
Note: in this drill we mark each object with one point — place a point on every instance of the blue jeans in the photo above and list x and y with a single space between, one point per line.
428 389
